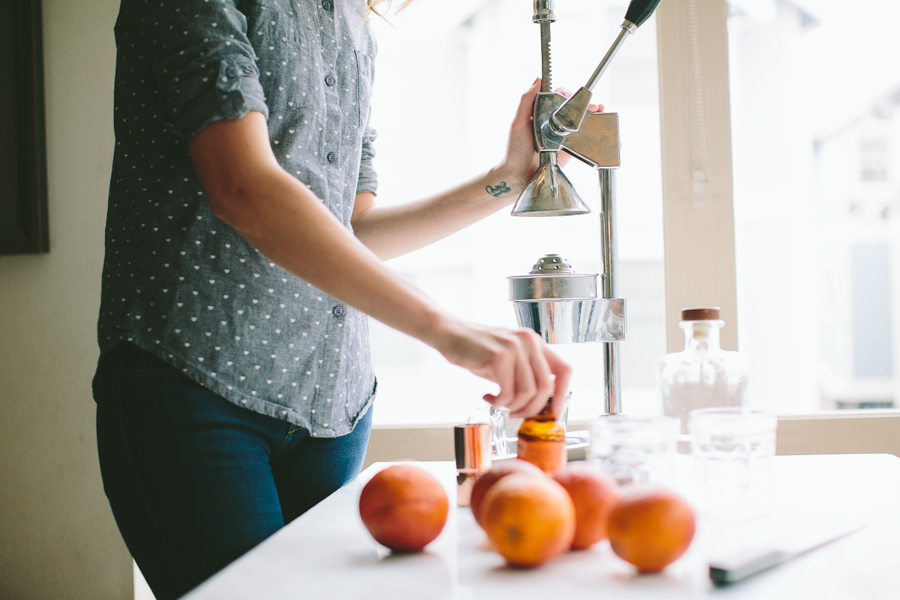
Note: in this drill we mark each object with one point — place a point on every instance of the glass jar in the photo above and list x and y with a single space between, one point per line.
702 375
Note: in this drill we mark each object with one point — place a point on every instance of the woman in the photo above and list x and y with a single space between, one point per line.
243 251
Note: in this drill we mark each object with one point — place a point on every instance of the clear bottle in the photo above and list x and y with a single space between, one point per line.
702 375
542 441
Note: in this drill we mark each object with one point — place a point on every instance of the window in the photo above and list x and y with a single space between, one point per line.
817 201
449 78
785 111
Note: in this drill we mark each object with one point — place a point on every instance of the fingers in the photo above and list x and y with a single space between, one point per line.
540 384
563 373
525 380
526 105
523 373
527 372
512 372
504 374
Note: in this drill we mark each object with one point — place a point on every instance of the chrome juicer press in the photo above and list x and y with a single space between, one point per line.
559 304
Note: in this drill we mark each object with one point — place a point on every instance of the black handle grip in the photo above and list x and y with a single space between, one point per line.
640 10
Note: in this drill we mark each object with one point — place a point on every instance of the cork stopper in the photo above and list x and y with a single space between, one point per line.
711 313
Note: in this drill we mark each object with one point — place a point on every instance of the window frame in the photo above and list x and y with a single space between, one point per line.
699 236
843 432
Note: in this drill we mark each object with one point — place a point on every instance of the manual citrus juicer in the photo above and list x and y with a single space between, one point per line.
559 304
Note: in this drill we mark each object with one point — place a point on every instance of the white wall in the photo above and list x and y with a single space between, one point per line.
57 535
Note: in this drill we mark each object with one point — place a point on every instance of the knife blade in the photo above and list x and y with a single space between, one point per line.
750 561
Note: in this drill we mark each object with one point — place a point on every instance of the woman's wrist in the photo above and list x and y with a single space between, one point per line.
503 184
438 330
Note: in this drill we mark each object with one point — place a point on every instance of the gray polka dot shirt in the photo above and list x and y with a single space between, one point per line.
182 284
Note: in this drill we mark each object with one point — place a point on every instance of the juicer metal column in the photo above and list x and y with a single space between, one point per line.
545 57
543 15
609 284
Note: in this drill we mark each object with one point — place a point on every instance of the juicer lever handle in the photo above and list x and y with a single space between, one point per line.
640 10
567 118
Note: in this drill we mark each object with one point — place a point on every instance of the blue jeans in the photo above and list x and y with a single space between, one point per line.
195 481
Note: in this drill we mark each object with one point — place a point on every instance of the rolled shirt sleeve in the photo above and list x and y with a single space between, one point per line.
203 60
368 178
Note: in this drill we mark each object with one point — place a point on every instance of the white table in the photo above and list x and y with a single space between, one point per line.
327 553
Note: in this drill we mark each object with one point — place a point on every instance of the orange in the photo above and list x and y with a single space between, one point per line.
404 507
528 519
594 494
651 528
487 479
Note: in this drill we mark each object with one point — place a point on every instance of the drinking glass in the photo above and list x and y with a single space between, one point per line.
732 450
635 450
506 430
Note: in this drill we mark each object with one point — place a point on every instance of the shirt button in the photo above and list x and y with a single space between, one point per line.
327 5
231 71
329 80
332 157
338 311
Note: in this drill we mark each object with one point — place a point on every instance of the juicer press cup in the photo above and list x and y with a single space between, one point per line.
562 306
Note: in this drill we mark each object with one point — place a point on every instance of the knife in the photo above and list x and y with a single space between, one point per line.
747 562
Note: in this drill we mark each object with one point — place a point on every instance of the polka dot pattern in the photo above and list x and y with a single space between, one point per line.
182 284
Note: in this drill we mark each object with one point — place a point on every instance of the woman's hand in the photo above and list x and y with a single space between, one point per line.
519 361
521 160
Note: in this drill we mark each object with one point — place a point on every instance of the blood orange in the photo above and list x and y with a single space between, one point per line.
404 507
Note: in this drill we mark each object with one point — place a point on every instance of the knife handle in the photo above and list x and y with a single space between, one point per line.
744 564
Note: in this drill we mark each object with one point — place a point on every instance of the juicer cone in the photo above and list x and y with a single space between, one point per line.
550 193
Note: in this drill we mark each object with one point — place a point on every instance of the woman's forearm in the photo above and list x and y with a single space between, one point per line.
395 230
391 231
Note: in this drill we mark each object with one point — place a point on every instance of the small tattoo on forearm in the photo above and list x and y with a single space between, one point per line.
498 190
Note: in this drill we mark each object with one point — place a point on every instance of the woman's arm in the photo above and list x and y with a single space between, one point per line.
283 219
391 231
395 230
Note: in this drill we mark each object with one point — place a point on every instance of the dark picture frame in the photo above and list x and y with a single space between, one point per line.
24 226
